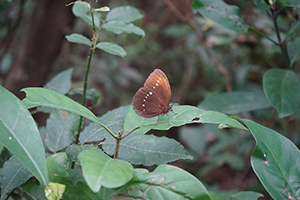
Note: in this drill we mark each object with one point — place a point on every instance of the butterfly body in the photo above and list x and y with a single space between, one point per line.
154 97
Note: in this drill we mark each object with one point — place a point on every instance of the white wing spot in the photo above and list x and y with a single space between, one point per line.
144 99
159 78
153 87
143 105
150 93
144 110
156 84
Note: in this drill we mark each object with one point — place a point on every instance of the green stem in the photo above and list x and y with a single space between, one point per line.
280 42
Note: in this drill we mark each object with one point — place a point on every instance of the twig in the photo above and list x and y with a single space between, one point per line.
195 27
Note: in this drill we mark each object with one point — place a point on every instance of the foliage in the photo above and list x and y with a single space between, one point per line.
72 159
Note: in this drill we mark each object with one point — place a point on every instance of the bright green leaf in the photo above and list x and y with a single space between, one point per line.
78 38
55 191
19 134
166 182
282 88
276 161
124 13
100 170
49 98
147 149
221 13
82 9
102 9
111 48
119 27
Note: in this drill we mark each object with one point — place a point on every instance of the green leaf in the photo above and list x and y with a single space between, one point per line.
111 48
49 98
248 195
294 27
78 38
82 9
90 94
60 129
34 189
12 175
100 170
124 13
61 82
276 161
262 5
282 88
293 49
221 13
113 119
19 134
119 27
183 115
166 182
235 102
147 149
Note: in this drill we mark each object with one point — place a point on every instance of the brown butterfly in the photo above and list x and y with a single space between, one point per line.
154 98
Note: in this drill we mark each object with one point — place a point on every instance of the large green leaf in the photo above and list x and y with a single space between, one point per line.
276 161
100 170
246 196
124 13
147 150
12 175
111 48
19 134
49 98
262 5
61 82
119 27
235 102
221 13
60 129
166 182
182 115
282 88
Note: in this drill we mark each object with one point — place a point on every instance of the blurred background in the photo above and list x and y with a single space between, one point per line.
200 59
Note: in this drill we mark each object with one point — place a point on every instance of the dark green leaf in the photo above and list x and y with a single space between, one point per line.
166 182
262 5
12 175
100 170
60 129
235 102
119 27
293 49
78 38
276 161
111 48
114 120
124 13
90 94
282 88
19 134
61 82
221 13
74 150
34 189
147 150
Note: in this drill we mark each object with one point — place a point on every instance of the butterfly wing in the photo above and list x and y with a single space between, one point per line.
154 98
